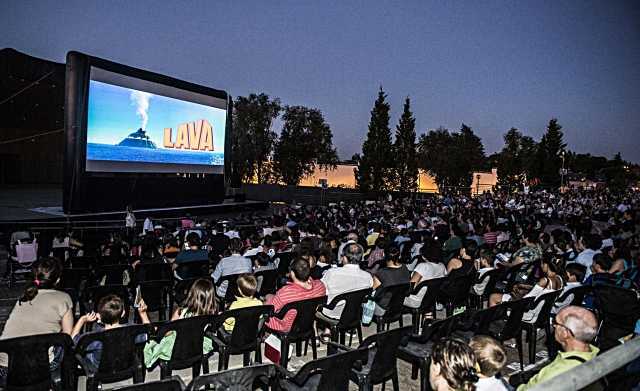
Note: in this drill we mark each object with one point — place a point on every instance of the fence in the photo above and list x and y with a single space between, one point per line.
593 370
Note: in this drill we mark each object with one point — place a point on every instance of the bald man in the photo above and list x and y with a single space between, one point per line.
574 329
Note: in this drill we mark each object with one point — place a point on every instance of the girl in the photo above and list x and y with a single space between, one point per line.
453 366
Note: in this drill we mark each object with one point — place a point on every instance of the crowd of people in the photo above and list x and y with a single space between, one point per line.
570 239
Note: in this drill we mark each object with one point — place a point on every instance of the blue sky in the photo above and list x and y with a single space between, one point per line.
112 116
491 64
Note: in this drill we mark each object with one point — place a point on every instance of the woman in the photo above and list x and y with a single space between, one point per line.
41 309
463 264
394 273
429 266
453 366
200 301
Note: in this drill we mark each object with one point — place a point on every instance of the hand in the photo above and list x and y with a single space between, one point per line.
91 317
142 307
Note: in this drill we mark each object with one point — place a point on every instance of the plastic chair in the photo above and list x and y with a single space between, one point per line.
246 336
120 357
29 368
381 362
302 328
187 349
232 289
330 373
74 281
428 303
193 270
394 310
268 282
492 277
114 274
153 271
417 352
455 292
618 310
578 293
547 301
174 383
26 256
283 267
93 295
350 318
248 378
155 295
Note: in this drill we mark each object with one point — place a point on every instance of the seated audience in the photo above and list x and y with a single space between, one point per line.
394 273
484 264
301 287
233 264
429 266
574 329
247 286
491 358
574 274
453 366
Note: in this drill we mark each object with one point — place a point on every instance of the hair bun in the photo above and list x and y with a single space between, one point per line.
470 375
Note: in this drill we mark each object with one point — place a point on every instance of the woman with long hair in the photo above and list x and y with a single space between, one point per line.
200 301
453 366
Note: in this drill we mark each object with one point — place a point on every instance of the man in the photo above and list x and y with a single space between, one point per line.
192 254
301 287
590 245
343 279
574 329
234 264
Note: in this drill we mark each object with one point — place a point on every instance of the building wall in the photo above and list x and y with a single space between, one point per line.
36 160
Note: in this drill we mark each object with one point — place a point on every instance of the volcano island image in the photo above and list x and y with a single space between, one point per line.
137 139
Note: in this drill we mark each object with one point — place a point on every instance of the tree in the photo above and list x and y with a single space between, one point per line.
514 161
374 170
549 157
252 137
469 157
305 143
434 153
406 167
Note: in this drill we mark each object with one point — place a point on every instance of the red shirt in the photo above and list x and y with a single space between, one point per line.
288 294
491 237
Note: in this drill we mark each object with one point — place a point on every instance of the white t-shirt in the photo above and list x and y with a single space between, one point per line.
428 271
343 279
491 384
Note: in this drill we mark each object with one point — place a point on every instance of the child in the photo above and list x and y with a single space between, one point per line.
247 285
491 358
110 311
574 273
483 264
200 301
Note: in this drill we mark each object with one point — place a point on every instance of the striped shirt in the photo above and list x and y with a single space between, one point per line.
490 237
288 294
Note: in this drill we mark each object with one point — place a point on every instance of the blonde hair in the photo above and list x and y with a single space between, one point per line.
490 355
457 363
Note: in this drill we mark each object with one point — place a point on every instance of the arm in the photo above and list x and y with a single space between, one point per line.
454 263
416 278
90 317
217 273
142 311
67 322
376 282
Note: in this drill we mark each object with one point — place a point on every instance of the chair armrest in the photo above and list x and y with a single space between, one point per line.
284 372
340 346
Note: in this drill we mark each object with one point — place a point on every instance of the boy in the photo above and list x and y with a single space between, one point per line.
247 286
574 274
490 358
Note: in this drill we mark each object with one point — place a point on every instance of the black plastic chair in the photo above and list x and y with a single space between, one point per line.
246 336
618 310
114 274
174 383
513 275
302 329
193 270
350 318
455 292
93 295
180 291
28 366
283 267
331 373
187 348
153 271
492 277
156 295
120 357
417 352
268 282
428 303
578 294
547 301
395 307
381 358
74 281
232 289
248 378
502 322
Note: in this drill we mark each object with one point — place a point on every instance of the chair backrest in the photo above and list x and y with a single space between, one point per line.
578 293
232 288
247 329
155 293
618 309
329 373
382 360
174 383
29 360
351 315
456 290
433 288
514 311
114 274
187 348
190 270
234 379
269 283
93 295
547 300
284 263
438 329
305 315
153 271
26 252
493 277
120 355
73 277
396 294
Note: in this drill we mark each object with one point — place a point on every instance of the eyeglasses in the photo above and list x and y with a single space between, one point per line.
554 323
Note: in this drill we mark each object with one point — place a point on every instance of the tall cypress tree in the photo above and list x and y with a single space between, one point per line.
406 167
375 164
552 145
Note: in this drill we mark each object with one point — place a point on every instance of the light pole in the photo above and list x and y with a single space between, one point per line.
477 184
562 174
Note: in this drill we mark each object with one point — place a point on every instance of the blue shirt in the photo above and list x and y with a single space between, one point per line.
235 264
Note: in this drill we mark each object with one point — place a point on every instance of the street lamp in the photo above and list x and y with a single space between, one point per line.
562 172
477 184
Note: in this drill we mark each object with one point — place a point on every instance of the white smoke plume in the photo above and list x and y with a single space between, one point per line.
141 100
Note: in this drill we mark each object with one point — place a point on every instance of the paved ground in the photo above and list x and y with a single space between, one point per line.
9 296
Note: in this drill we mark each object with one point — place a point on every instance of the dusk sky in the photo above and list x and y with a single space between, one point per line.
489 64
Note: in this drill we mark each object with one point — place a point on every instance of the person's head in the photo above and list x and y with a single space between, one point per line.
247 285
235 246
531 238
601 263
575 272
575 327
352 254
111 310
392 255
469 249
201 298
300 270
485 256
552 264
591 241
193 240
452 366
46 274
262 259
490 355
